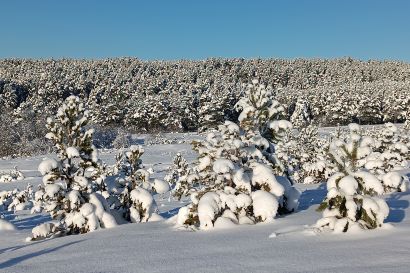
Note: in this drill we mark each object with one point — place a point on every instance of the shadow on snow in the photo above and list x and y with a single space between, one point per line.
17 260
397 207
312 197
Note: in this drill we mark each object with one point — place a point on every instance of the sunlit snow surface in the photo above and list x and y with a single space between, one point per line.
285 245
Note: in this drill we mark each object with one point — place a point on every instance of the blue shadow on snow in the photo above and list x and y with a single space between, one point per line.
17 260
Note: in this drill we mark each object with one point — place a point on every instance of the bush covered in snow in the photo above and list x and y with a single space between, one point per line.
131 193
16 200
351 201
11 175
181 178
235 168
72 191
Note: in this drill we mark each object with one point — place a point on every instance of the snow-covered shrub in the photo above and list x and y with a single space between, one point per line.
38 199
6 178
45 230
16 200
181 178
21 200
407 122
6 199
133 187
72 194
178 168
11 175
122 140
186 184
391 155
304 154
235 167
301 116
351 201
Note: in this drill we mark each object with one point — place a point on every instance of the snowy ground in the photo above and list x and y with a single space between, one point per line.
287 245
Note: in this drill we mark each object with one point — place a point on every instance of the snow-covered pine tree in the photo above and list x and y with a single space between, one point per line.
186 184
391 156
304 153
261 119
301 151
21 200
5 199
122 140
407 122
134 187
351 202
388 136
38 201
179 168
181 178
215 106
71 194
16 200
301 116
239 183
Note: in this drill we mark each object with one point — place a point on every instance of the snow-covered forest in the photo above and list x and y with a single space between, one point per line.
204 136
260 164
132 96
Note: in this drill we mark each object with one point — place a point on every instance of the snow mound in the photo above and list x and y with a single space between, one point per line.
5 225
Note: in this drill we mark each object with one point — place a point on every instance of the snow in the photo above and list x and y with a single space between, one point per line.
47 166
204 162
101 209
81 182
224 223
51 190
279 125
5 225
160 186
392 179
208 207
377 206
242 180
348 185
354 127
72 152
370 181
265 205
262 174
232 127
6 178
159 247
223 166
144 198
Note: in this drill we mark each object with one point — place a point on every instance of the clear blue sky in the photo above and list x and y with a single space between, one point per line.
198 29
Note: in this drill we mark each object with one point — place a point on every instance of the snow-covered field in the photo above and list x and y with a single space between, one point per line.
286 245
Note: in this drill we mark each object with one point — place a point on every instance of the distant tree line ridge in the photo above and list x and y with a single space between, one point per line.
159 96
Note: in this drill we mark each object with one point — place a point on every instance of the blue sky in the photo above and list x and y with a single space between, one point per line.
364 29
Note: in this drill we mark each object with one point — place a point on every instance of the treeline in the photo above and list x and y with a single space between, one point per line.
158 96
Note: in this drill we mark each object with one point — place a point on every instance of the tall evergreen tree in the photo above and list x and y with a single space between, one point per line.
72 194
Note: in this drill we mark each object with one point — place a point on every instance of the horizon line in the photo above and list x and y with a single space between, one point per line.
61 58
